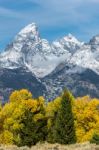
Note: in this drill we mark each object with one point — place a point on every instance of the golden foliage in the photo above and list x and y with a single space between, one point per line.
20 95
6 137
86 112
12 113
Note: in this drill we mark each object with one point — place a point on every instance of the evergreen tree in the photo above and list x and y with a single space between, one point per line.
64 131
33 131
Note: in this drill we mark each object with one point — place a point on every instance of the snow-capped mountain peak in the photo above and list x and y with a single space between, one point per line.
41 57
29 28
71 38
26 42
95 40
28 35
67 44
30 31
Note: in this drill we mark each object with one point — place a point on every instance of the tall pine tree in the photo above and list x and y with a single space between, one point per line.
64 131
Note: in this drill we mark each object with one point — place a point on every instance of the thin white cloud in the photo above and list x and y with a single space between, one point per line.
52 12
61 11
5 12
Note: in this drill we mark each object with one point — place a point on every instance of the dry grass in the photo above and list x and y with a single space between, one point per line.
46 146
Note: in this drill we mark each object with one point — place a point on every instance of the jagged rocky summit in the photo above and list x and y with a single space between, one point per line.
47 68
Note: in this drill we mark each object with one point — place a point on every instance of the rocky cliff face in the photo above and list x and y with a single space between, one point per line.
15 79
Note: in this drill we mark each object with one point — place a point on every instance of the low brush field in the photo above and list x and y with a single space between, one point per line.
47 146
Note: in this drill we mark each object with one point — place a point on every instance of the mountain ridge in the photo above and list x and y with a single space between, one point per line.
28 46
63 63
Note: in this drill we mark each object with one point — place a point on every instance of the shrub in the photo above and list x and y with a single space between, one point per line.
95 139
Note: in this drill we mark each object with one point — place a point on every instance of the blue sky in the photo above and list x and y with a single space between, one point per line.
55 18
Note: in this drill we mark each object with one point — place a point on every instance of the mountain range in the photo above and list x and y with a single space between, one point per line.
47 68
